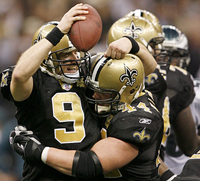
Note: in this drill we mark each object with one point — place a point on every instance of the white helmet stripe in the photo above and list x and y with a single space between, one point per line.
138 13
98 66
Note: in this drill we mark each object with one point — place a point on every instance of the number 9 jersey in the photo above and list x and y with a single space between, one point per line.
58 114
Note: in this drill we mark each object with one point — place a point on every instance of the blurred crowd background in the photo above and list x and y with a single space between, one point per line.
19 19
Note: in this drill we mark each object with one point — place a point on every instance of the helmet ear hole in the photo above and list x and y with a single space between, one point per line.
132 91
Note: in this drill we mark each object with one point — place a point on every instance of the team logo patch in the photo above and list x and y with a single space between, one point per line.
4 79
145 121
141 136
66 86
150 79
129 76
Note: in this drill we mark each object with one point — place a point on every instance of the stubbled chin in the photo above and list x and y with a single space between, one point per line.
71 71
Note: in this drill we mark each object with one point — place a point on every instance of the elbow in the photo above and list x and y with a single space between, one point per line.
189 151
150 69
18 76
190 148
86 165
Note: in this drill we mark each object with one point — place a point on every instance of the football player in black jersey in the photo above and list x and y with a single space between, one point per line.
145 28
180 89
144 32
177 43
47 88
134 126
190 170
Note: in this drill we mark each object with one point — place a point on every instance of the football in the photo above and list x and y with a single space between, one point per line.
85 34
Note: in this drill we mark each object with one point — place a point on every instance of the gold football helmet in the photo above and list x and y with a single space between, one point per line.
147 15
122 79
161 55
140 29
52 64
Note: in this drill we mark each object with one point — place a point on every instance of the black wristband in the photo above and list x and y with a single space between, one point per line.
166 175
135 46
54 36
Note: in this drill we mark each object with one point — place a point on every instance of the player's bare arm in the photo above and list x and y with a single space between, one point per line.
30 60
147 59
120 153
184 122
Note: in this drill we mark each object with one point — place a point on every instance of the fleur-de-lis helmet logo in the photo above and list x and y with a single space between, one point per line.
129 76
132 30
39 37
4 79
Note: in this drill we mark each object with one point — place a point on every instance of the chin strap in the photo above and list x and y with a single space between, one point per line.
102 109
64 78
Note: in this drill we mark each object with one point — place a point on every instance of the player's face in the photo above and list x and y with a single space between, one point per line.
159 54
101 96
155 48
104 97
69 67
175 58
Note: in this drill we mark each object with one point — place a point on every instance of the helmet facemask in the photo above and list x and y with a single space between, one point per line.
103 107
180 57
56 60
113 84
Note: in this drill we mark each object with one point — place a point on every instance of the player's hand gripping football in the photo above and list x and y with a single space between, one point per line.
76 13
26 144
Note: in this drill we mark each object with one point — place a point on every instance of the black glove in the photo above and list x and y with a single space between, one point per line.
25 143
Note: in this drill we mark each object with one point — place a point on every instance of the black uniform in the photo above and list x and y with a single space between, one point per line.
58 114
140 124
180 90
156 84
191 168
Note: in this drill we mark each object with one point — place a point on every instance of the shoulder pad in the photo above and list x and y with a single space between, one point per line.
5 78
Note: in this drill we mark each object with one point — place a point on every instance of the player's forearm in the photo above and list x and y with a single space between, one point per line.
147 59
188 139
31 59
79 164
61 160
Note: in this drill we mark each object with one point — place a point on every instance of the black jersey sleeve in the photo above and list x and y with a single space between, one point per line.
180 90
155 83
139 131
